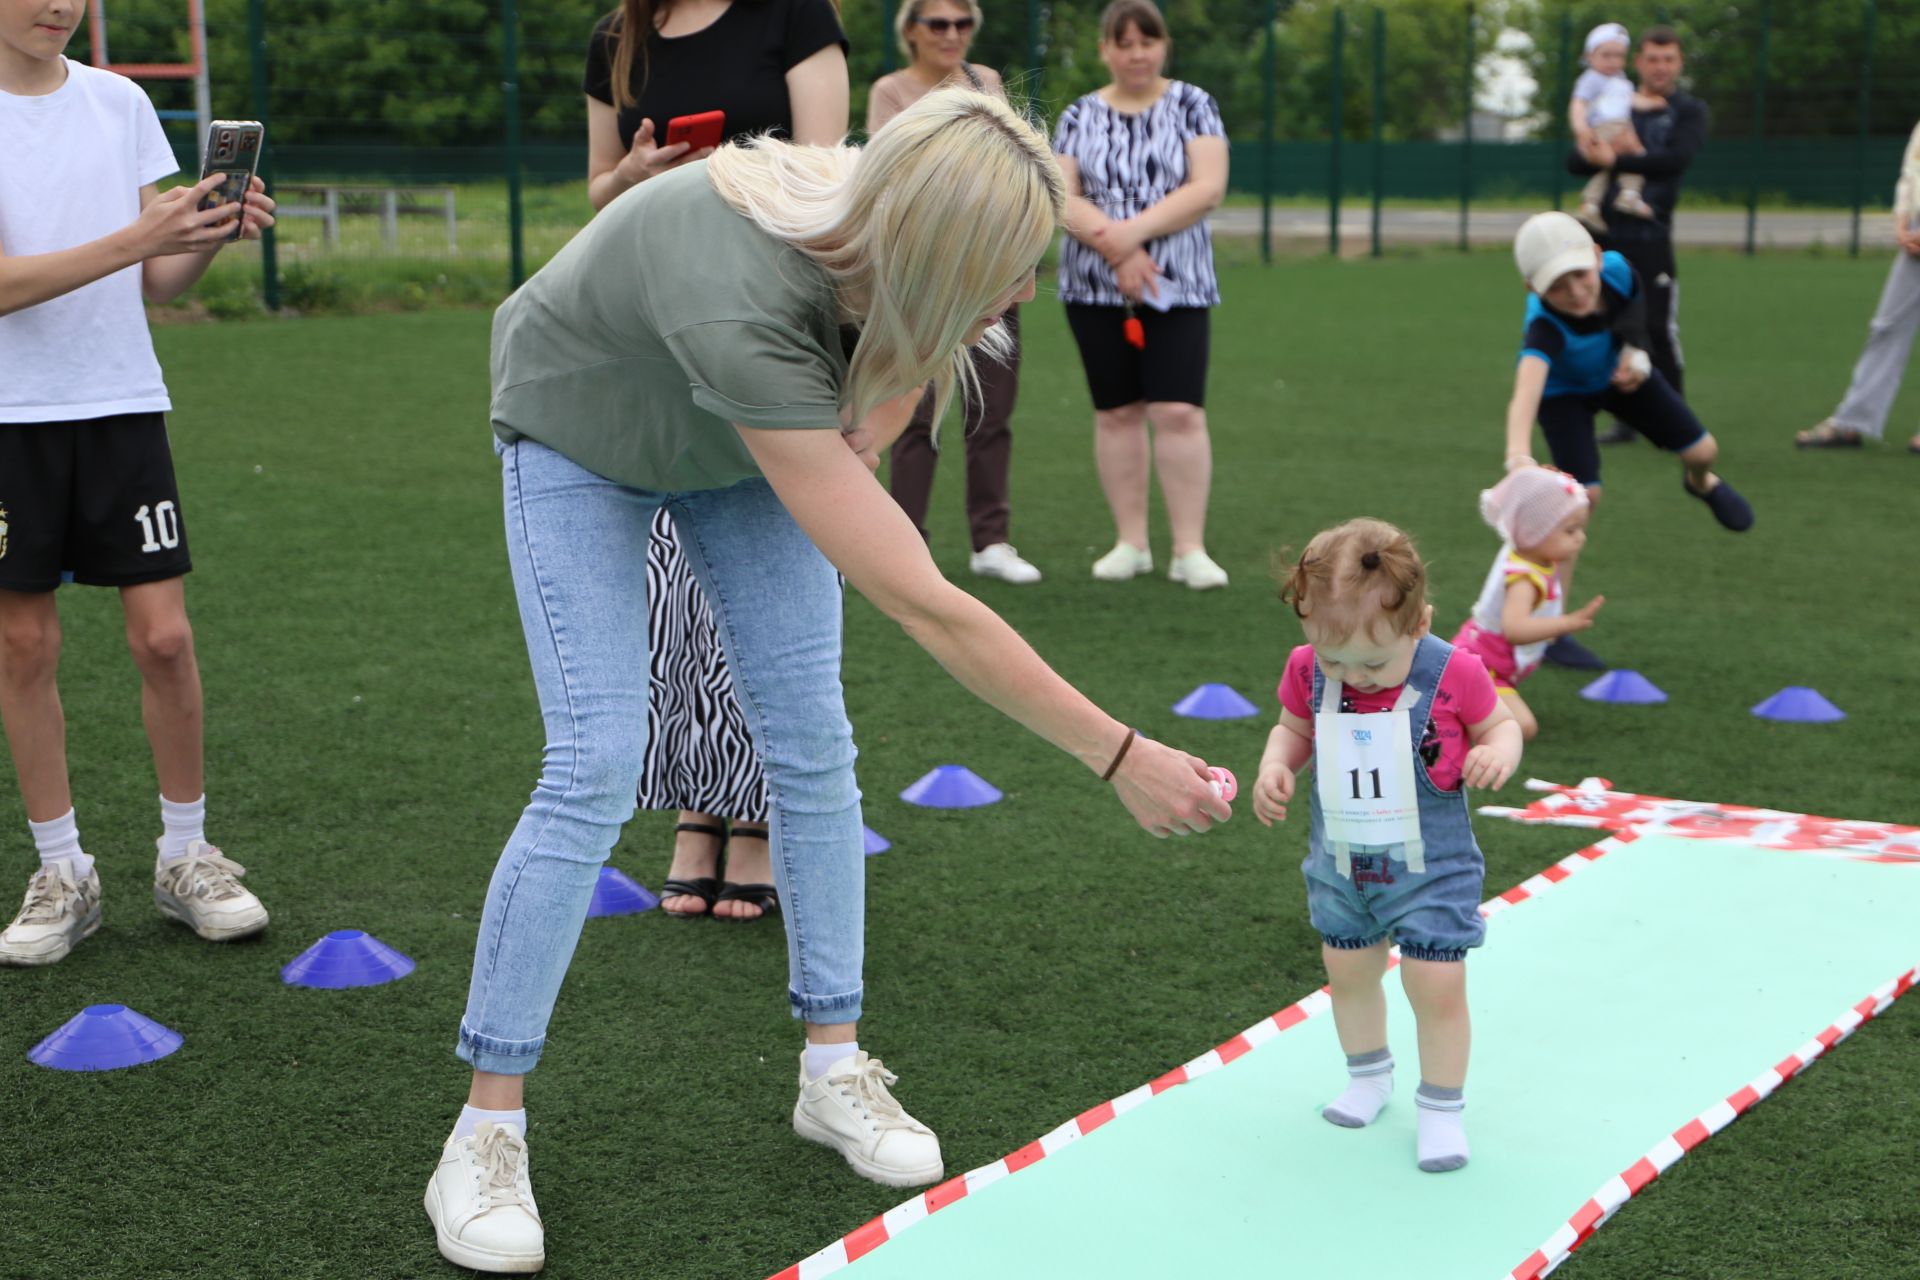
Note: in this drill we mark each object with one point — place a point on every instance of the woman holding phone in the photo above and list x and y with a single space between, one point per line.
777 66
685 350
935 35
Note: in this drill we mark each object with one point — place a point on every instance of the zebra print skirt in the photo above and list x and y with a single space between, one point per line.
699 754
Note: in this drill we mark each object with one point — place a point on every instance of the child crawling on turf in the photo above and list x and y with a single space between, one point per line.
1541 517
1396 725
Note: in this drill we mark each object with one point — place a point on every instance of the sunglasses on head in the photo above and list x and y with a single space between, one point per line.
940 26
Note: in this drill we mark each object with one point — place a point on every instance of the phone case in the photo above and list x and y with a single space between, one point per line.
704 130
233 150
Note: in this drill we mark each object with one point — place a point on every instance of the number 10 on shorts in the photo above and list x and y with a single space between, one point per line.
161 525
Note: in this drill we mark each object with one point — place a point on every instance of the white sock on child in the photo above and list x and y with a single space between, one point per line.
59 841
1368 1090
821 1056
1443 1131
183 823
470 1118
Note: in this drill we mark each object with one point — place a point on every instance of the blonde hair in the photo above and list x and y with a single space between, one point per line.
943 213
1355 576
905 16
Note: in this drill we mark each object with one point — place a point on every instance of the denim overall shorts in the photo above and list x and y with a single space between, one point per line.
1432 913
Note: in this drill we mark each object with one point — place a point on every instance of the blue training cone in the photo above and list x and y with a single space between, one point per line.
105 1037
951 786
873 842
346 958
1800 705
618 894
1623 686
1215 702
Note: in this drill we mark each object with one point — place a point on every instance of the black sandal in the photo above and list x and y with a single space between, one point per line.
763 896
705 888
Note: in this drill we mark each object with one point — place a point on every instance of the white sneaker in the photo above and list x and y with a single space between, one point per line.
1197 570
850 1109
59 914
1123 562
1001 561
480 1202
1589 213
202 890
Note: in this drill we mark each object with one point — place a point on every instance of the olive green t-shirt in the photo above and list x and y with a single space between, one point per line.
667 320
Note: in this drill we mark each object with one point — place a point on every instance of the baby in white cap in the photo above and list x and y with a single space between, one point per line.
1600 113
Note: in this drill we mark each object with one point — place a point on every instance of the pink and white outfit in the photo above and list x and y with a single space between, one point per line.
1482 633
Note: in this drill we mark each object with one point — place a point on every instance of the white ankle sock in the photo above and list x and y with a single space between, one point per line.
183 823
470 1118
59 841
1368 1089
822 1056
1443 1131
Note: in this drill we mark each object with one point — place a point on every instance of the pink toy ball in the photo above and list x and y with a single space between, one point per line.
1224 784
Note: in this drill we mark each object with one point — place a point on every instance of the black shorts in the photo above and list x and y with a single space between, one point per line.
94 499
1656 411
1172 367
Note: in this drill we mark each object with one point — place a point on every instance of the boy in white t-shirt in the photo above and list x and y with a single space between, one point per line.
86 478
1600 112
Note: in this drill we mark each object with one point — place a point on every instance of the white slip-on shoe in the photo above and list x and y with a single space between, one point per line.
850 1110
202 890
1001 561
59 914
480 1201
1197 570
1123 562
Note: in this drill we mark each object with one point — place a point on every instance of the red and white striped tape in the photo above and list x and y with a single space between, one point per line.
863 1240
1605 1202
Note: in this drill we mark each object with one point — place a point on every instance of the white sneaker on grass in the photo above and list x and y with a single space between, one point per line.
59 914
480 1201
1001 561
850 1110
202 891
1197 570
1123 562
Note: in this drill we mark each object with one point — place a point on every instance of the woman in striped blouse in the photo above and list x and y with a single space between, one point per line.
1145 160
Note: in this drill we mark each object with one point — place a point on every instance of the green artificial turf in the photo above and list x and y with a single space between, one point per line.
372 735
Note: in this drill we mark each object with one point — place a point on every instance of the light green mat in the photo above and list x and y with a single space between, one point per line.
1608 1011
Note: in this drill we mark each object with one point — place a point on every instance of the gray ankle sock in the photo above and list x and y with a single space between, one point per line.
1443 1134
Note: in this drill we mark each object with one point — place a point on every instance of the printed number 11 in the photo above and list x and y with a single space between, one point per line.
1355 775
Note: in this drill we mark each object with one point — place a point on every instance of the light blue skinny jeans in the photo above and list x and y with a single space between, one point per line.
577 543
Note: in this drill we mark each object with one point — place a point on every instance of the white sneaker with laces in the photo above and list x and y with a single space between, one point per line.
1633 203
202 890
480 1201
1001 561
1123 562
850 1110
1197 570
59 914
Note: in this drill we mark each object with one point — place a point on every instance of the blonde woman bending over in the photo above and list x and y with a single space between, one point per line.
685 350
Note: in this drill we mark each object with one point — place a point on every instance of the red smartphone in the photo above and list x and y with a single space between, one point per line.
699 132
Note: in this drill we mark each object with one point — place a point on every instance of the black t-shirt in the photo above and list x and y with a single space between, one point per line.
738 65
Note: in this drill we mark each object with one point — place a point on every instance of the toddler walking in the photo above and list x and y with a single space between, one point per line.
1600 111
1395 727
1541 517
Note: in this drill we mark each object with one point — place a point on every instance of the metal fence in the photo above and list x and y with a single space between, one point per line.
437 150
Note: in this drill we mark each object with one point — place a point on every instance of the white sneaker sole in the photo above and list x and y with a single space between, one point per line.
246 928
866 1168
61 947
476 1259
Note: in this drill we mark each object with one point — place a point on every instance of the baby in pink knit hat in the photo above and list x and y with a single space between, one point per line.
1541 517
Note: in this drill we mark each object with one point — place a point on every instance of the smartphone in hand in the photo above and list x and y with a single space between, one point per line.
233 151
699 132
